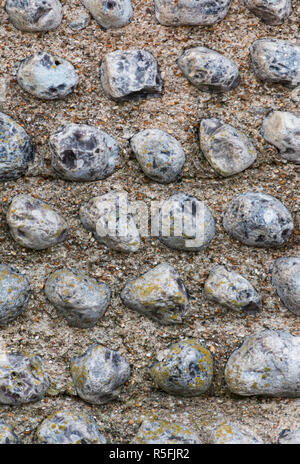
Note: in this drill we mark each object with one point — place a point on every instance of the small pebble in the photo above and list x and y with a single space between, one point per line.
230 289
276 61
159 155
34 224
258 219
83 153
267 363
110 14
208 70
99 373
229 433
14 293
185 369
7 435
130 74
289 437
159 294
34 15
227 149
16 149
79 21
272 12
286 280
281 129
163 432
68 428
47 76
22 378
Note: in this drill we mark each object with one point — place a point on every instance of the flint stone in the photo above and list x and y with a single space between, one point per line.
184 369
80 22
266 364
286 280
272 12
110 14
34 224
227 149
276 61
208 70
131 73
159 155
282 129
228 433
83 153
22 379
16 149
258 219
98 374
34 15
162 432
159 294
190 12
232 290
47 76
288 437
14 293
7 435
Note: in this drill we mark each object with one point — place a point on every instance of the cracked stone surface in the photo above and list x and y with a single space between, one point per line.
285 273
110 14
289 437
34 15
14 293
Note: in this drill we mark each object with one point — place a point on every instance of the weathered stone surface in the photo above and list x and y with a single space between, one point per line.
22 378
227 149
77 297
83 153
281 128
16 149
208 70
47 76
159 155
99 373
34 224
266 364
110 14
229 433
258 219
184 369
34 15
272 12
288 437
156 432
129 74
7 435
79 21
185 223
286 280
159 294
65 427
14 293
232 290
110 219
276 61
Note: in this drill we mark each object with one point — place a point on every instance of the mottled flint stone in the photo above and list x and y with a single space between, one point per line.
79 21
65 427
7 434
14 293
156 432
99 373
34 15
258 219
34 224
110 14
184 369
185 223
159 155
272 12
111 220
288 437
282 129
208 70
276 61
127 74
229 433
266 364
83 153
286 280
16 149
190 12
47 76
22 378
227 149
230 289
77 297
159 294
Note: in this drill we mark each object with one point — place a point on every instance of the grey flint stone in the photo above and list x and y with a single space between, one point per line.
272 12
110 14
286 279
14 293
34 15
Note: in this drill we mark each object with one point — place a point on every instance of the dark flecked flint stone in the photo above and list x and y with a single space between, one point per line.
34 15
14 293
272 12
110 14
286 279
165 432
7 434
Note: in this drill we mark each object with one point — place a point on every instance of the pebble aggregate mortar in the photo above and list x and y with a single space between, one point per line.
178 111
